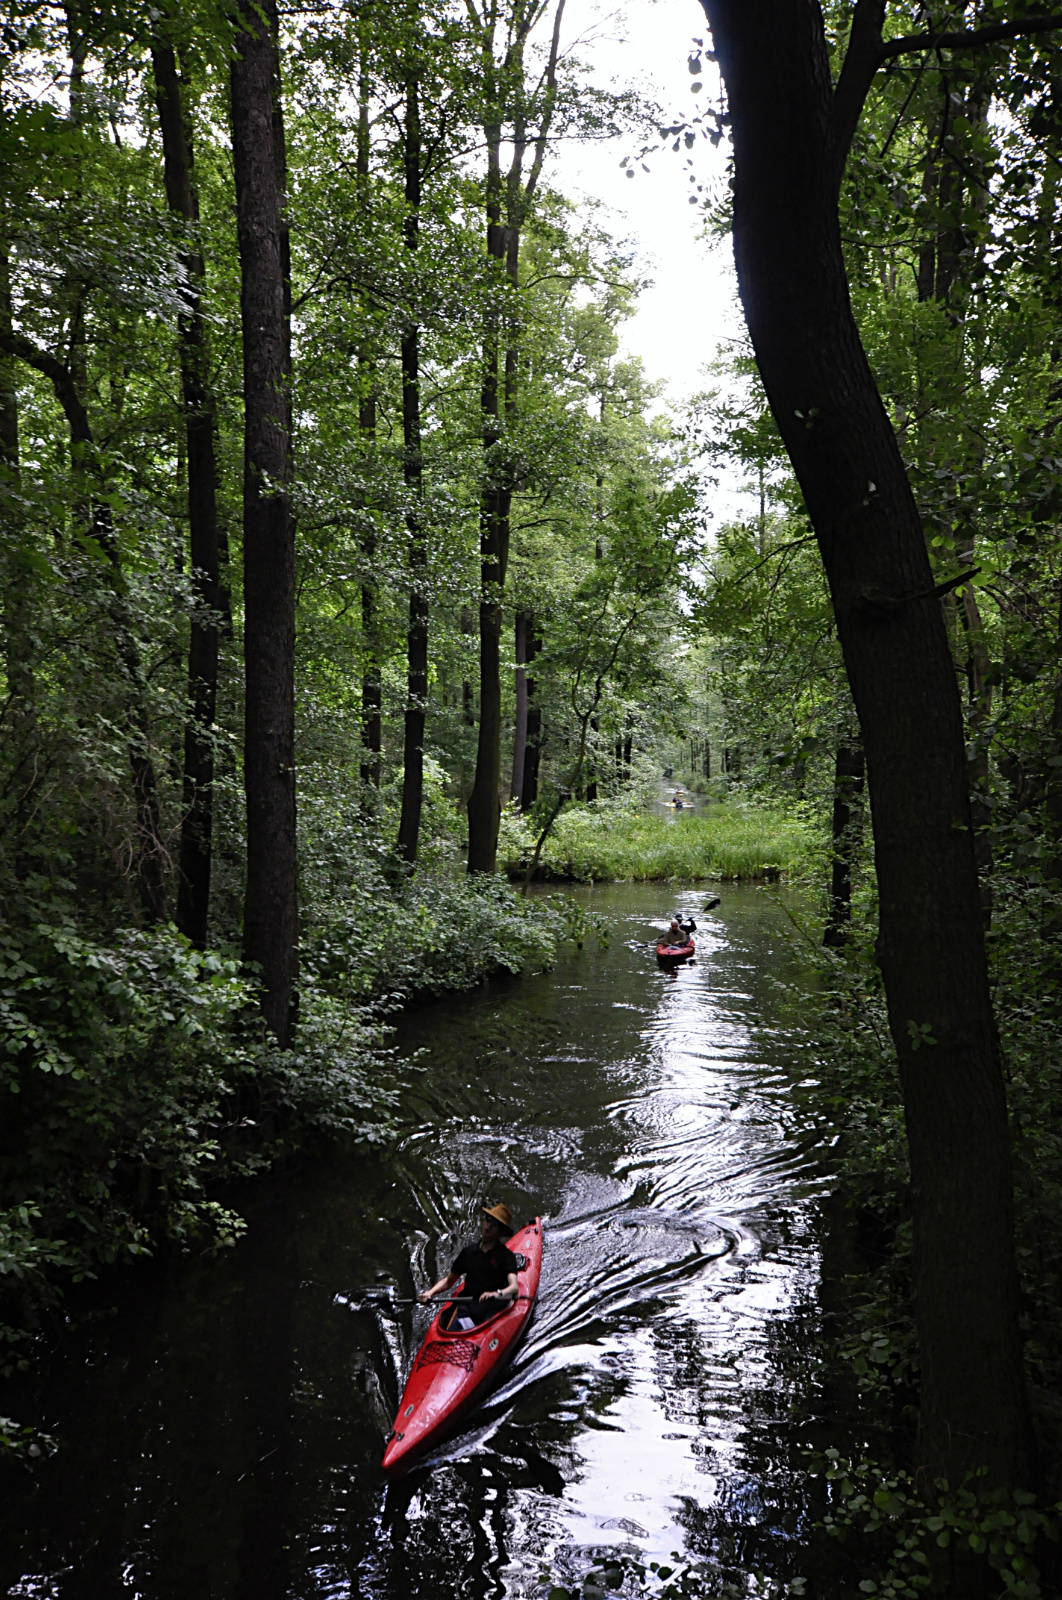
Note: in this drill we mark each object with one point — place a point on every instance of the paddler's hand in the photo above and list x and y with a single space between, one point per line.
425 1297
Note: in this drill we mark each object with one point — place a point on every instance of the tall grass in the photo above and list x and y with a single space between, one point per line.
603 842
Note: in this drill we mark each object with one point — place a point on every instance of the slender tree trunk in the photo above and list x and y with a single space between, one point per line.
794 291
371 687
847 788
529 787
484 803
151 855
17 622
468 699
193 893
520 726
503 245
412 467
270 932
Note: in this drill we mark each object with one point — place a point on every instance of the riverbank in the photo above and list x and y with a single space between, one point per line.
222 1433
139 1086
606 842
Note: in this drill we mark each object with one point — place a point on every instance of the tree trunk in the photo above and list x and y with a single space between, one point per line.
17 617
503 245
529 788
270 931
371 686
193 893
412 467
484 803
847 788
151 855
520 727
824 399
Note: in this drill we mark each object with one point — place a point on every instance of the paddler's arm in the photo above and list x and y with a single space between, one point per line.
444 1283
510 1292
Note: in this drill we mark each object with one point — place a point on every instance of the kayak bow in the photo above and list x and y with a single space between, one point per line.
452 1369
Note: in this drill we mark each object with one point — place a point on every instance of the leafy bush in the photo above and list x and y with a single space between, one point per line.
134 1079
914 1536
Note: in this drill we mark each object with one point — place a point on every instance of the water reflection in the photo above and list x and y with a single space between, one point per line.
222 1433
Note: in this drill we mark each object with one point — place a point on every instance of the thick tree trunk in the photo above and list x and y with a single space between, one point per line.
847 788
931 948
270 932
412 467
516 789
193 893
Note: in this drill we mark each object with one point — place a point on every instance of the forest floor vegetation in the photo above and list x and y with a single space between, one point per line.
139 1083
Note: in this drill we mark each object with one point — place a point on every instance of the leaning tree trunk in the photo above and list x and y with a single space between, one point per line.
822 394
270 930
417 631
193 892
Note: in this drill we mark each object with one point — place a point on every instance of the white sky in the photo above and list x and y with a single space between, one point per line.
691 307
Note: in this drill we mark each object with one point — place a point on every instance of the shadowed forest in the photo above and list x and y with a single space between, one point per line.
361 595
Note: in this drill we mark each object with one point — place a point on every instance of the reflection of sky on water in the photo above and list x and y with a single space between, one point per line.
222 1436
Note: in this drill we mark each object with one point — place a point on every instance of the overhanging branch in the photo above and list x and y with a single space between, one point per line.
867 51
969 38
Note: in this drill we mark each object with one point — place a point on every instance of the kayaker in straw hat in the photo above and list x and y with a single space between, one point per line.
489 1270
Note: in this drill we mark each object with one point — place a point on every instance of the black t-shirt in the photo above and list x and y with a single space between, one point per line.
484 1270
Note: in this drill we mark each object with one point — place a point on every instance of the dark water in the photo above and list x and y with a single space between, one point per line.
221 1429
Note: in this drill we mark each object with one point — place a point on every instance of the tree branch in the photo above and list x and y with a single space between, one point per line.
548 107
969 38
61 381
867 51
862 59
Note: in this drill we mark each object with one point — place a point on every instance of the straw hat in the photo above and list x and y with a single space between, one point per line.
500 1214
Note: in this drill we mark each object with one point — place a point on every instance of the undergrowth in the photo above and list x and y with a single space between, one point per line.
137 1083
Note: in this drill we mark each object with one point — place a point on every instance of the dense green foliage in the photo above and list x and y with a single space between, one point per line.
137 1079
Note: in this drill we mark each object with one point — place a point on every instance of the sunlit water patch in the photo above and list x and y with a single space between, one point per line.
222 1434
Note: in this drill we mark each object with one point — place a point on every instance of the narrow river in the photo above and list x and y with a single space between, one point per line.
221 1429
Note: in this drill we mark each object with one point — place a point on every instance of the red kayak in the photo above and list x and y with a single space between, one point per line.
676 952
452 1370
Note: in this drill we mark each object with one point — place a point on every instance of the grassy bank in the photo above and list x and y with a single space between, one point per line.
608 843
137 1083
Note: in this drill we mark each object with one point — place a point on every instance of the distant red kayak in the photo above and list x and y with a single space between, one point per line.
452 1370
676 952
